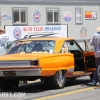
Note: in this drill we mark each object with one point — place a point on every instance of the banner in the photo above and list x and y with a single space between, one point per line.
18 32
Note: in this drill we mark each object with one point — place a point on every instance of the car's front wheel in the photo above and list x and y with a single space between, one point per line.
9 84
57 81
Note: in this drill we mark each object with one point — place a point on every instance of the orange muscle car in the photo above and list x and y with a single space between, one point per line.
51 59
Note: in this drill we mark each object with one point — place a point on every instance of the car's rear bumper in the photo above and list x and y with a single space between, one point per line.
21 72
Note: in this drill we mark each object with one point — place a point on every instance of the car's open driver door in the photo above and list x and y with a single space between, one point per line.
90 60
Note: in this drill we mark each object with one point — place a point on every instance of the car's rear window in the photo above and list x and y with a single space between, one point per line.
32 46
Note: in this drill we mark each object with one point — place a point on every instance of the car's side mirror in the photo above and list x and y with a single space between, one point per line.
71 43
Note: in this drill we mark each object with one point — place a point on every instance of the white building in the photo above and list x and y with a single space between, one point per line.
81 17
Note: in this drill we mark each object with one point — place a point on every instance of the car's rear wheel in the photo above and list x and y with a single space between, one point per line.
98 72
57 81
9 84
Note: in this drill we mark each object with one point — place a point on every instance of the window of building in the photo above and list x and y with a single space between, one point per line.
53 16
19 15
79 15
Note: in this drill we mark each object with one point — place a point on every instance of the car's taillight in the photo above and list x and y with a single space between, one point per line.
34 63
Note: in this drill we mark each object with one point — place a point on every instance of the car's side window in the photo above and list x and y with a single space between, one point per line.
65 48
73 46
68 46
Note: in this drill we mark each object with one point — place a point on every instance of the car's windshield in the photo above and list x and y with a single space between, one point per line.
32 46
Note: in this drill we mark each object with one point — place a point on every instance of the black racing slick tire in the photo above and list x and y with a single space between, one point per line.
57 81
9 84
98 73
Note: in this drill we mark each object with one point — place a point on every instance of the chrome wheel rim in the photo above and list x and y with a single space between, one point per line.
60 76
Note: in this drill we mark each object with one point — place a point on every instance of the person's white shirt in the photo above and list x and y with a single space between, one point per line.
95 41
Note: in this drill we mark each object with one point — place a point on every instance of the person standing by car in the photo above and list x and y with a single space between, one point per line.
95 41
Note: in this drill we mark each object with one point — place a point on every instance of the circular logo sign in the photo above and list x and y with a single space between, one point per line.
83 31
17 33
67 16
36 16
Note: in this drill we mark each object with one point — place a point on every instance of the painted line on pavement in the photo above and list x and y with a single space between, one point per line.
66 93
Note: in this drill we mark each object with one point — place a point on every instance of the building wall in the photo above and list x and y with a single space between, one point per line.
73 29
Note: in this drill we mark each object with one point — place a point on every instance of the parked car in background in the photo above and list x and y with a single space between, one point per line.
51 59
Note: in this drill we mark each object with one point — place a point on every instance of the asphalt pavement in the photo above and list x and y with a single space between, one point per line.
79 89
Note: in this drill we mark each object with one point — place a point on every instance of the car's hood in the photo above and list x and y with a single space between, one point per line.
29 56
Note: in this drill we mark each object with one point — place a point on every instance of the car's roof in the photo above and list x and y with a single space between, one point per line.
44 38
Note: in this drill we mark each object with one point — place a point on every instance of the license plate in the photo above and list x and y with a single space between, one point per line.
9 73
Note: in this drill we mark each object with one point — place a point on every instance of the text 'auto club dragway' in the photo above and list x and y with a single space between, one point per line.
17 32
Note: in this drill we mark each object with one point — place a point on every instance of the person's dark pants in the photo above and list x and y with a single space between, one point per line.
95 76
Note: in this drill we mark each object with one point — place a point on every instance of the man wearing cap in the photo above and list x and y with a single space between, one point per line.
95 41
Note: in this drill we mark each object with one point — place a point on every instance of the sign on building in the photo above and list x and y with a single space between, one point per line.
18 32
91 15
